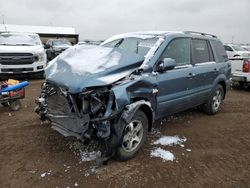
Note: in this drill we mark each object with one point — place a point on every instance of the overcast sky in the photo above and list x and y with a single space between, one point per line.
99 19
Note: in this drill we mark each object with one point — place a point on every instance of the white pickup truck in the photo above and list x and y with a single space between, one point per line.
240 70
22 54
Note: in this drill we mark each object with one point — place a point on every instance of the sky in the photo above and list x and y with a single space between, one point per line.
100 19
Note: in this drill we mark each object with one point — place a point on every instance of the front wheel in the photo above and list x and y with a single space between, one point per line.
215 101
134 136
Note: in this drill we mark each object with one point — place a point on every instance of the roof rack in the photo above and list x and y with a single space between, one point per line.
199 33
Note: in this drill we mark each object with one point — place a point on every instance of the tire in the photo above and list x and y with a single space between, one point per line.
15 105
134 137
215 101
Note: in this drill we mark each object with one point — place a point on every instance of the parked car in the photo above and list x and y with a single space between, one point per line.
246 47
114 92
56 46
21 53
234 50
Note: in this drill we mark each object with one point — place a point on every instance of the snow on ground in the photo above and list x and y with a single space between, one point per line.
46 173
89 156
170 141
167 141
86 153
165 155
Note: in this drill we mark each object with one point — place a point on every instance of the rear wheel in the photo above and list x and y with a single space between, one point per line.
134 136
215 101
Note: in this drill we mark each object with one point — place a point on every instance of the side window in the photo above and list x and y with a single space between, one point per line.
179 50
228 48
219 51
201 52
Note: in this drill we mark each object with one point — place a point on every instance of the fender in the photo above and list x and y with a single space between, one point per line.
131 109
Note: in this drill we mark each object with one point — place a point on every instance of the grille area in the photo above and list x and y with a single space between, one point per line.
57 102
17 58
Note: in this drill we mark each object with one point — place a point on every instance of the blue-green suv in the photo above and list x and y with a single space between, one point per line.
114 92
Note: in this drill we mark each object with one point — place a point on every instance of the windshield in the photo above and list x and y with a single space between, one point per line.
238 48
135 45
61 43
19 39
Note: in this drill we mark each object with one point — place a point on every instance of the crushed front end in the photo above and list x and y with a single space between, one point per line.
83 115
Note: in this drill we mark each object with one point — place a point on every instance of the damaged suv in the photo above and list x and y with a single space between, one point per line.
114 92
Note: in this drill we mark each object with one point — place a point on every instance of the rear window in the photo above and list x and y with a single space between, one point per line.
219 51
201 51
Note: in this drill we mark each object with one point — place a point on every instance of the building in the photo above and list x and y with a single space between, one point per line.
45 32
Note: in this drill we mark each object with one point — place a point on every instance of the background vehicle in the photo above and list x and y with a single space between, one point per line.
240 70
236 51
21 53
115 91
56 46
246 47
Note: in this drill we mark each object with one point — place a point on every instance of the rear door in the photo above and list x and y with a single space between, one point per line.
173 85
205 70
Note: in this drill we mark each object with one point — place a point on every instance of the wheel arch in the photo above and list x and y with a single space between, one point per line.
223 84
146 108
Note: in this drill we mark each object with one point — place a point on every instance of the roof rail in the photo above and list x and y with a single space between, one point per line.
199 33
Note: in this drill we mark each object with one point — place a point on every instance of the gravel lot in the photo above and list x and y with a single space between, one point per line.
33 155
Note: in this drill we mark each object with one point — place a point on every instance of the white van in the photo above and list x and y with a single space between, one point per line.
21 53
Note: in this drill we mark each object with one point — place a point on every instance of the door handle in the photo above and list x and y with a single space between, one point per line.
191 75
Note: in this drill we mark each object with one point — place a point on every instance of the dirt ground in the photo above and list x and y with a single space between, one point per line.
219 156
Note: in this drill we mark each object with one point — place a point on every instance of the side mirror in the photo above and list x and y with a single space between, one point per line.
167 64
46 46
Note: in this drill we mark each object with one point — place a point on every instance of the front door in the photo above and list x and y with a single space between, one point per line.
174 85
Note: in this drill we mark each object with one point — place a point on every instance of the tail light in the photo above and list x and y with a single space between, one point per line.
246 66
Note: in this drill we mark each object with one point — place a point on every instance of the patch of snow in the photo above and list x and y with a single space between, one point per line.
89 58
165 155
155 131
43 174
189 150
129 35
89 156
46 173
170 141
131 106
86 153
112 77
76 184
86 174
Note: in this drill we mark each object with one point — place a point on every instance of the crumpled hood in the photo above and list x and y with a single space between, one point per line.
83 66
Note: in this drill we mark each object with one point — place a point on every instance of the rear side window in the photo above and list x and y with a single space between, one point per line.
219 51
179 50
201 51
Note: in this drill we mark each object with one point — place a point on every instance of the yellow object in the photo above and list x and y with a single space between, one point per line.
12 82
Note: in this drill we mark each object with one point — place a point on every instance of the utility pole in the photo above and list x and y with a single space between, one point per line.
232 39
3 18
